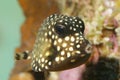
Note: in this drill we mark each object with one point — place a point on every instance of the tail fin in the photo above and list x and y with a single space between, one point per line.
23 55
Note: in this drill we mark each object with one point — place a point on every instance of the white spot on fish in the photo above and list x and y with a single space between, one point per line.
68 54
57 59
78 52
64 44
58 48
59 40
39 69
62 52
36 68
78 45
72 39
49 63
70 48
80 22
42 59
67 38
46 67
55 42
77 25
62 58
50 32
73 60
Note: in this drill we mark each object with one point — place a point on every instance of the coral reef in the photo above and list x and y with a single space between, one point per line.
104 69
102 22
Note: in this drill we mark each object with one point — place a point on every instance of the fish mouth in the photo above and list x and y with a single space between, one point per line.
69 63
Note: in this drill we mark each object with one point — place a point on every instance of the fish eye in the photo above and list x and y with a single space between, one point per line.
60 29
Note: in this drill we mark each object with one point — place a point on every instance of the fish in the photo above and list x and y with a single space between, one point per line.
60 44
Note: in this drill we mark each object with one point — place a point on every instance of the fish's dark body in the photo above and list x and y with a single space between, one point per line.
60 44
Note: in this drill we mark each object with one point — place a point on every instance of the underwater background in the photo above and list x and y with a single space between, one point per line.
20 20
11 18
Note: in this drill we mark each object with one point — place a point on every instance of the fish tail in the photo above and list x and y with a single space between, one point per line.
23 55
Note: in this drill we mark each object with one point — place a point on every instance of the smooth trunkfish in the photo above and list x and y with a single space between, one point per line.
60 44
